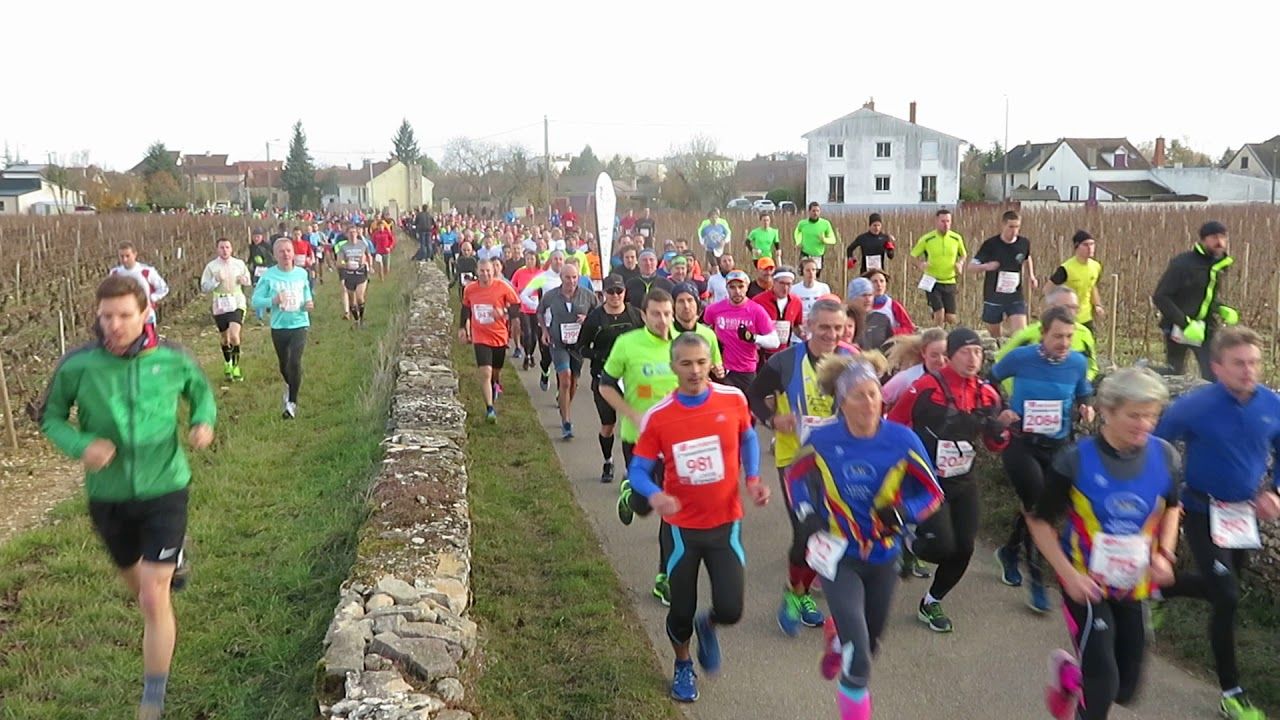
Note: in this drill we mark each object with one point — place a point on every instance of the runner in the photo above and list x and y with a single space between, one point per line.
763 281
1118 487
604 325
464 267
304 255
1082 341
715 235
531 296
520 279
1189 298
318 247
561 313
877 247
910 357
787 397
1049 382
1001 258
261 257
687 310
384 241
949 410
810 288
702 429
1081 272
850 514
224 276
742 327
136 472
286 291
483 323
784 309
146 276
1231 437
814 235
648 279
887 317
941 254
630 268
355 258
868 328
762 241
716 286
647 228
637 374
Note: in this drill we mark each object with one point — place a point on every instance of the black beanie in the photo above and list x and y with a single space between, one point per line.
961 337
1079 237
1213 227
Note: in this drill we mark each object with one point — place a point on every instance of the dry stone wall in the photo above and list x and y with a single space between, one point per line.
400 634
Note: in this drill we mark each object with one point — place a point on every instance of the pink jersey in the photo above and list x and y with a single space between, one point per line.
724 317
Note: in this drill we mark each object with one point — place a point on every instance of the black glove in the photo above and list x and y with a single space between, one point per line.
808 520
745 334
890 519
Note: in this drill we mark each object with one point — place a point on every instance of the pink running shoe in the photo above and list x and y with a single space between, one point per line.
1064 692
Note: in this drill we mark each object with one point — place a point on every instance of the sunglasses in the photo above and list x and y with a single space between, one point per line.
614 291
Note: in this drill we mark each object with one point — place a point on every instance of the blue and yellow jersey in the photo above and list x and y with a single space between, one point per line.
845 479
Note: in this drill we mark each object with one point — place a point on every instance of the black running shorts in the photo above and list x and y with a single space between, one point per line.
134 530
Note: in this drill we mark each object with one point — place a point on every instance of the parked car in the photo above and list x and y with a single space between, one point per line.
763 206
788 207
739 204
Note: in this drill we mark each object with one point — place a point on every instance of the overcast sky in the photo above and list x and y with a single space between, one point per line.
630 78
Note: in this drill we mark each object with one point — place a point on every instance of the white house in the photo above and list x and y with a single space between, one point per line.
24 190
655 170
389 186
1023 169
869 159
1260 160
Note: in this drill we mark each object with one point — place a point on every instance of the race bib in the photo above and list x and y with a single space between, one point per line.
823 553
784 331
1120 561
290 300
644 232
927 282
1042 417
954 458
1234 526
874 262
482 314
259 272
569 332
223 304
700 461
353 264
809 423
1007 282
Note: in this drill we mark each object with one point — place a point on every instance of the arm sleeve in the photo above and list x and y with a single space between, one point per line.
1056 496
1004 368
769 339
904 410
797 484
590 329
750 452
463 316
1172 426
262 296
1059 276
1168 286
766 383
644 460
918 249
905 325
159 288
307 295
1084 389
796 235
207 281
921 494
57 408
608 380
526 295
853 246
204 410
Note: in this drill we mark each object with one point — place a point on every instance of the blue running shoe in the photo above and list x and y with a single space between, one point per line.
789 614
708 644
683 687
1007 559
566 431
810 615
1038 599
544 382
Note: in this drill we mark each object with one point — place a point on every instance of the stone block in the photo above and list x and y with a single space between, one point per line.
428 658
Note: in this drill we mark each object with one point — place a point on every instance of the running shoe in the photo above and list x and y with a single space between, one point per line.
518 354
236 373
831 659
1063 693
290 411
683 687
662 590
1007 559
226 369
789 613
497 390
544 382
708 643
566 431
606 474
491 416
911 566
1038 599
1238 707
810 615
181 572
932 615
625 513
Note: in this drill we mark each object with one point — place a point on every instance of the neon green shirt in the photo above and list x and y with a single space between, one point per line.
762 241
942 253
813 237
642 361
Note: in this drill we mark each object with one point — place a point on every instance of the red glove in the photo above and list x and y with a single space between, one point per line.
848 264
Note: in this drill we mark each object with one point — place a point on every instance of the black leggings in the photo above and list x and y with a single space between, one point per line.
1026 460
859 600
1176 354
544 354
528 333
946 538
720 549
1220 588
1112 662
289 345
639 505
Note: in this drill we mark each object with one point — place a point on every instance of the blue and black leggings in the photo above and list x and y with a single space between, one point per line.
720 549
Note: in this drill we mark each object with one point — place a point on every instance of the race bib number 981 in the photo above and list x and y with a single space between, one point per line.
700 461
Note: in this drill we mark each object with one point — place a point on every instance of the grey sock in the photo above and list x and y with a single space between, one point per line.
153 687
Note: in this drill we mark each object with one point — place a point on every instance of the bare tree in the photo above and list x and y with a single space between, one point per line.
708 173
474 162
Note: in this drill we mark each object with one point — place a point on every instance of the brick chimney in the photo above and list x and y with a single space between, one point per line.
870 104
1157 157
912 114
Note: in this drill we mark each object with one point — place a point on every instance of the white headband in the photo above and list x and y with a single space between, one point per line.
784 275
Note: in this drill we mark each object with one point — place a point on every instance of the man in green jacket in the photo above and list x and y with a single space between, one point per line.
814 235
125 388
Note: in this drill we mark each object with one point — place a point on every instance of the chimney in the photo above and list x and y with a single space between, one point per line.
870 104
912 114
1157 158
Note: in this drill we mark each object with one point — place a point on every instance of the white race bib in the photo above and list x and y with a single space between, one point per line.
644 232
259 272
290 300
569 332
223 304
808 423
482 314
784 331
1234 526
1042 417
954 458
700 461
874 262
1120 561
1007 282
823 553
927 282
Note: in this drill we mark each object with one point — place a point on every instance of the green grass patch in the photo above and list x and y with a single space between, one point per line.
275 507
560 639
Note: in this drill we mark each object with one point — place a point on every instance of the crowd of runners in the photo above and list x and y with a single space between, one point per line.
704 369
874 426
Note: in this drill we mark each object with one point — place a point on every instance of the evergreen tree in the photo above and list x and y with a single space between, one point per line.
405 144
299 177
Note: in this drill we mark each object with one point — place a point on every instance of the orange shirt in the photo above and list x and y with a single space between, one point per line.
488 306
701 446
593 262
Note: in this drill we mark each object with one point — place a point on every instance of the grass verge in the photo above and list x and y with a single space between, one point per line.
275 506
560 638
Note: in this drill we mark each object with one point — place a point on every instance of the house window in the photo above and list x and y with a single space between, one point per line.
1049 187
835 151
929 150
929 188
1 206
882 150
1075 193
1244 162
835 189
882 183
1122 160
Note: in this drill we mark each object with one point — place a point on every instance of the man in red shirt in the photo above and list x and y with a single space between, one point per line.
783 308
485 305
304 255
384 241
701 429
569 219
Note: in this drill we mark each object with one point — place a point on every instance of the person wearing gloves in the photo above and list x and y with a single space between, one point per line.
1189 298
784 308
886 317
741 327
715 235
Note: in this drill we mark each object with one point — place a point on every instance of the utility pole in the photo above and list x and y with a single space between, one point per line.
1275 152
546 163
1004 174
270 188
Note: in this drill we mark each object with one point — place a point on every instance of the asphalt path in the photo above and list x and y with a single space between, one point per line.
993 666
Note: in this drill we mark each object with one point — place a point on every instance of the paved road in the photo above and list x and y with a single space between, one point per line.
993 666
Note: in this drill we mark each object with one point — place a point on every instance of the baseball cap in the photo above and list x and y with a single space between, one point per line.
961 337
736 276
614 282
765 263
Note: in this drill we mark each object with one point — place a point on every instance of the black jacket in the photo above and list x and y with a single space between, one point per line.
1181 291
